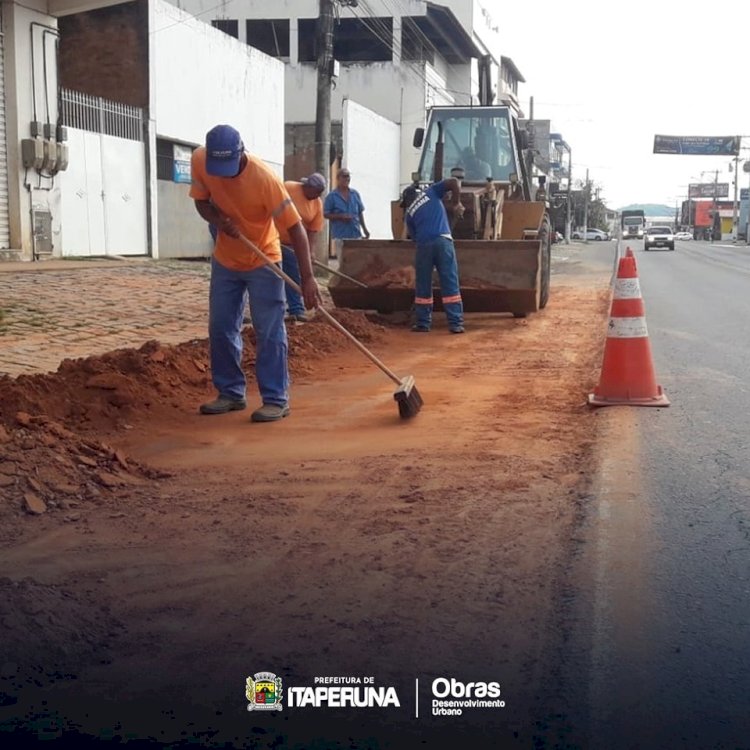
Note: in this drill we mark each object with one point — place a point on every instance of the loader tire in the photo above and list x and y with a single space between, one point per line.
545 236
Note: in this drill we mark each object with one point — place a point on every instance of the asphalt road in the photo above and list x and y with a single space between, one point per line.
657 652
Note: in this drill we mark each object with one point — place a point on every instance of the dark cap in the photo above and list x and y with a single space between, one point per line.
315 180
224 149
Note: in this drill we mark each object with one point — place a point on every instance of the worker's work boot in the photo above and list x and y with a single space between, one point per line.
420 328
222 405
270 413
456 329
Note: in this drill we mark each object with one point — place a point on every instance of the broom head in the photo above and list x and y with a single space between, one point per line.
408 399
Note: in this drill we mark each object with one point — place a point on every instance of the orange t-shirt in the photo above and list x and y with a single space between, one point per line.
310 211
255 200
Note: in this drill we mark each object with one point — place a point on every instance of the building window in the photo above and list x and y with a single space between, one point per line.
229 26
354 40
164 159
363 40
271 37
415 46
307 50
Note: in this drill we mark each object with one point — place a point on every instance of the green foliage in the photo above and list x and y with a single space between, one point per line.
597 210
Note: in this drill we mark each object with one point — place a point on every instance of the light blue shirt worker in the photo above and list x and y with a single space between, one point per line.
344 208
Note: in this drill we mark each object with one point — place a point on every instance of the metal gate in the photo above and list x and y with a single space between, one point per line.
4 220
103 191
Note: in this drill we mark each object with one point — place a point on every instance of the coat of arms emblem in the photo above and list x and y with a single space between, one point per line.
264 692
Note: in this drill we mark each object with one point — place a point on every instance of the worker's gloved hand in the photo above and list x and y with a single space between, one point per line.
311 293
228 226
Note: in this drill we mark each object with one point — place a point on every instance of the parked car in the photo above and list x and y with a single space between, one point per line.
658 237
683 236
591 234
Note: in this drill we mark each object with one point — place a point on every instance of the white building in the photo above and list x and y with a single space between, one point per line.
394 59
127 90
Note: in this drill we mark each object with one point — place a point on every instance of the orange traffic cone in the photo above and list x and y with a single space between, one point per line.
628 369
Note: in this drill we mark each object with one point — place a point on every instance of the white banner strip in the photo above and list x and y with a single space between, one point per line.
627 289
627 328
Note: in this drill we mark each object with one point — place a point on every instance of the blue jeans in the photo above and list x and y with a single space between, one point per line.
291 268
226 304
437 253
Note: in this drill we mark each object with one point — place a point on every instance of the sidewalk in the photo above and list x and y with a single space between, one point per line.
68 309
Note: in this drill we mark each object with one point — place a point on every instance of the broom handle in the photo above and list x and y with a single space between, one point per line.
338 273
395 378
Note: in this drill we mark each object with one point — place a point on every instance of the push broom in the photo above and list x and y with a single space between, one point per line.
407 396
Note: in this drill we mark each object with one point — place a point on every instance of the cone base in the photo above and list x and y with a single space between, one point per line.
659 400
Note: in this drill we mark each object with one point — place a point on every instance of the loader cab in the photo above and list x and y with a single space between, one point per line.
479 139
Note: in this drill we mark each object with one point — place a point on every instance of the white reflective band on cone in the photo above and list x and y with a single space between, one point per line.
627 289
627 328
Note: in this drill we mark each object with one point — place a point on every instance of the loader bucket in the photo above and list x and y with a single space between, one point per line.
495 275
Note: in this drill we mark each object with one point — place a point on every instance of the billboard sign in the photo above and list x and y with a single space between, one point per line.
703 214
709 190
697 145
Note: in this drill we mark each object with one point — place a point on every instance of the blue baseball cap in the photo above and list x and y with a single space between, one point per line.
224 148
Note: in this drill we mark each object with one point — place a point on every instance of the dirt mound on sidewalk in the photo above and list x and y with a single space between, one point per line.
112 391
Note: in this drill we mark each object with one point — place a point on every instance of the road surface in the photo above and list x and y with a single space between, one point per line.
659 651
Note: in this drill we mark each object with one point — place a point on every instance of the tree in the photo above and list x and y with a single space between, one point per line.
597 213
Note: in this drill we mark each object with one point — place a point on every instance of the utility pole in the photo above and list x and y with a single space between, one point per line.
716 205
568 229
586 207
324 44
734 203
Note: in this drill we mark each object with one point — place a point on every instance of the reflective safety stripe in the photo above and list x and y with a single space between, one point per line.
627 289
454 298
423 300
627 328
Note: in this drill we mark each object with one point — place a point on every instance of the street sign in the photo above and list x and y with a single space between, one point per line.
744 194
697 145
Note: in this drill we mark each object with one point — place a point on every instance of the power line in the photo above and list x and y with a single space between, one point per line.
381 31
190 16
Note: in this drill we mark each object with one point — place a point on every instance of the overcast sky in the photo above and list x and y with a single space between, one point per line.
610 75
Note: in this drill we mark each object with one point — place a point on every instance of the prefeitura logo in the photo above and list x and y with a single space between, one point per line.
264 692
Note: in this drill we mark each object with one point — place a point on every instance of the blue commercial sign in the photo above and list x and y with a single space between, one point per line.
744 194
181 163
181 172
697 145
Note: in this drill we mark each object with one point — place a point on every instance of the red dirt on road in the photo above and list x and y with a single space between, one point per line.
341 540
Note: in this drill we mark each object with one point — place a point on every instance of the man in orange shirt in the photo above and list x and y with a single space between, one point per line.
305 195
238 193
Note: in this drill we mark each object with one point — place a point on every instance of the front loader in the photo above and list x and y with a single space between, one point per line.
502 241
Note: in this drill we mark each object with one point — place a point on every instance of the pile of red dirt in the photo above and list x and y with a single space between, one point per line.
102 393
47 469
51 459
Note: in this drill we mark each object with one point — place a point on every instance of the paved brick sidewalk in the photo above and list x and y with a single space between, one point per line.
49 315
